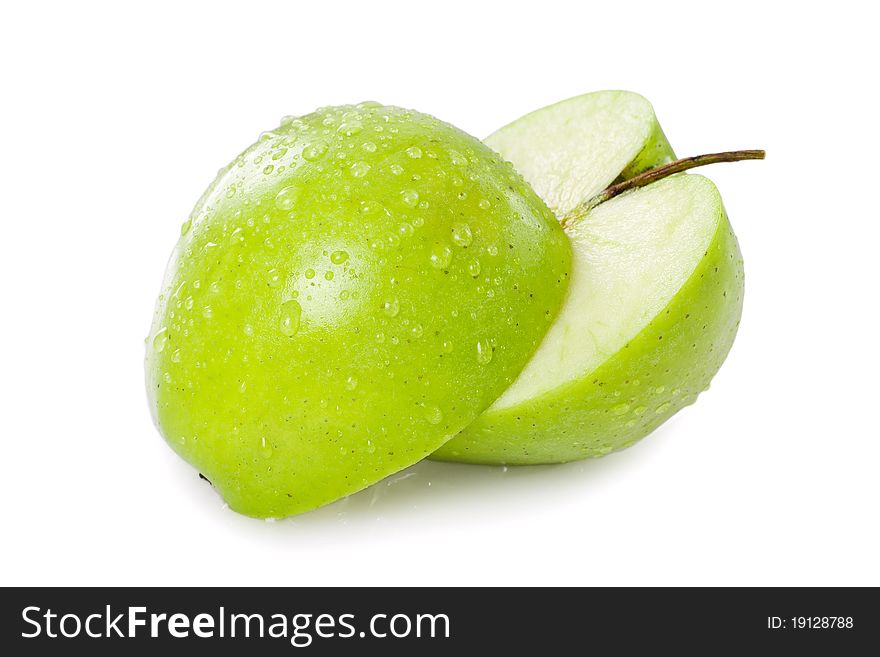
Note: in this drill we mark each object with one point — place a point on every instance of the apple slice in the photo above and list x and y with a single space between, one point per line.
652 310
571 151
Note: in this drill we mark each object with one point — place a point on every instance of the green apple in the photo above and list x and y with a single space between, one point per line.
351 292
656 292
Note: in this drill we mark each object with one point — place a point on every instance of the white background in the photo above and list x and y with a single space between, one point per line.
115 119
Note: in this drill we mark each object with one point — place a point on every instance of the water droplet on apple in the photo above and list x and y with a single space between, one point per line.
369 146
410 197
662 408
265 448
484 204
350 128
291 312
461 234
396 169
457 158
448 346
310 273
274 278
391 307
416 331
620 409
207 312
160 340
484 352
659 390
359 169
185 226
285 199
433 414
338 257
639 410
268 169
474 267
314 151
414 152
441 256
351 383
328 275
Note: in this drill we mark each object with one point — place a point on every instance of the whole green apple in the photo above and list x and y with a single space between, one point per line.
351 292
656 293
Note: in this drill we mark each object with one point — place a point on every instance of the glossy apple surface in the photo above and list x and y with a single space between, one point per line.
350 292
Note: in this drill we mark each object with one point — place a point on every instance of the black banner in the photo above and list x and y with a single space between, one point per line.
109 621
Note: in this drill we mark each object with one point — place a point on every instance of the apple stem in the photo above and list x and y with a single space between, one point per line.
655 174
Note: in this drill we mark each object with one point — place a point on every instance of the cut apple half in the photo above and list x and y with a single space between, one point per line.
655 297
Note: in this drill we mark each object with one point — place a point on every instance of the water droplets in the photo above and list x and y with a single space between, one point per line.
359 169
433 414
351 383
414 152
441 256
409 197
391 307
160 340
265 448
350 128
314 151
457 158
291 313
285 199
274 279
185 226
621 409
484 352
462 235
338 257
474 267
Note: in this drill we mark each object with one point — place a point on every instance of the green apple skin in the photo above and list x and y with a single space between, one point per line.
654 153
351 292
658 372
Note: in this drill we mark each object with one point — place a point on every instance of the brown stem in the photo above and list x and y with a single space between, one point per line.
655 174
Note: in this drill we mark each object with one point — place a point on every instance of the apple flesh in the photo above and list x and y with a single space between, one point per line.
571 151
351 292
